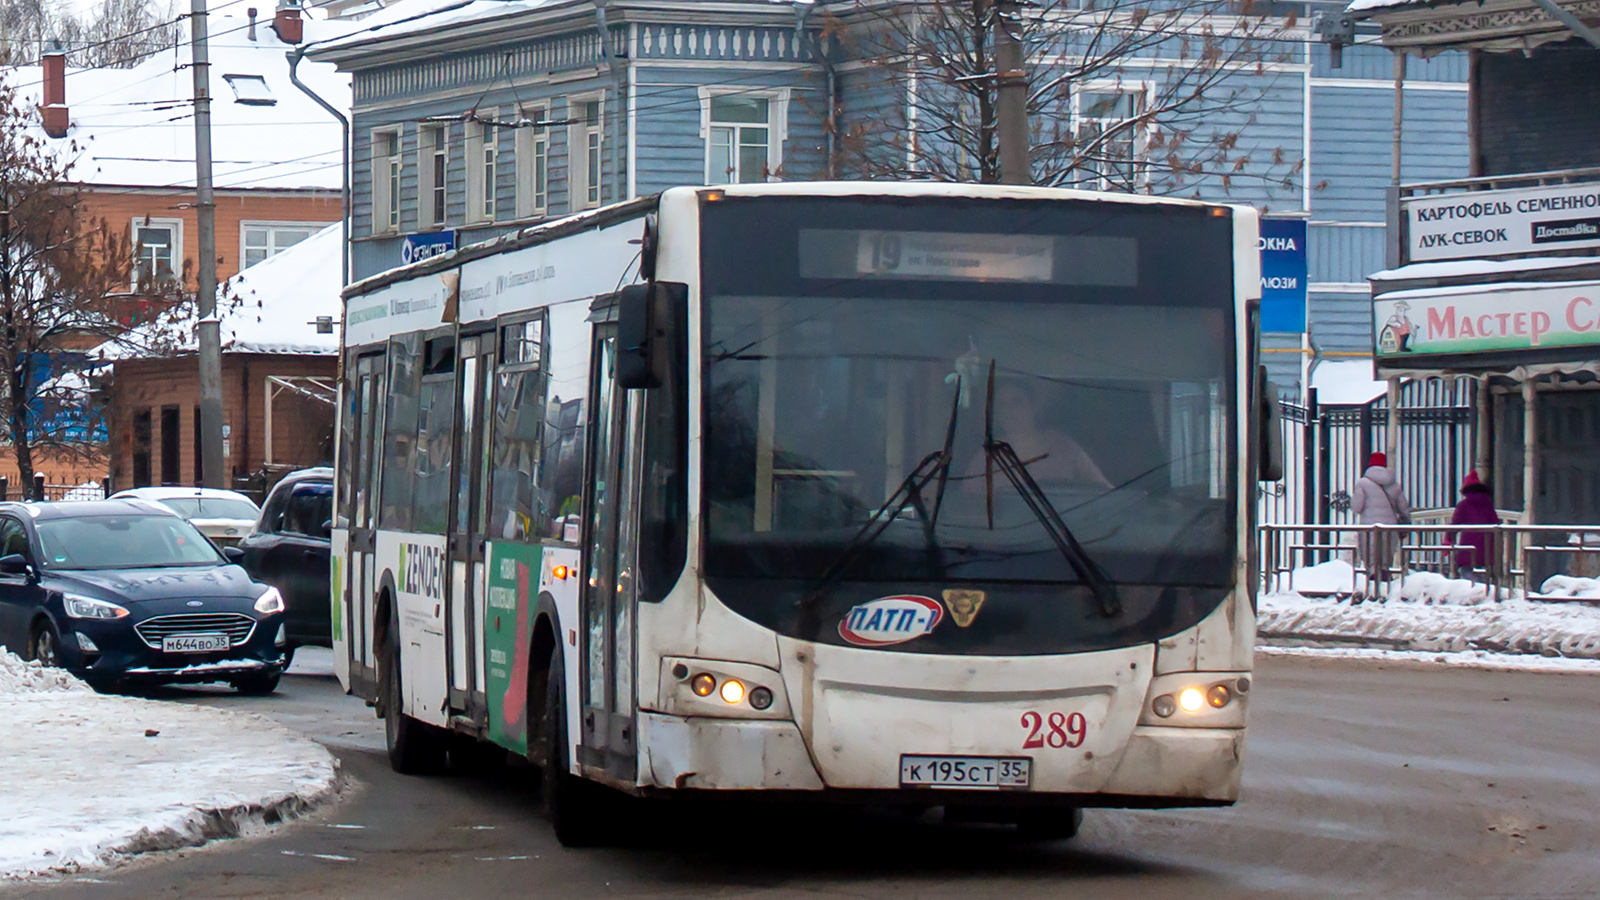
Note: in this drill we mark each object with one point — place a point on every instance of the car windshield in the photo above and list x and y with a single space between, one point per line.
211 507
123 542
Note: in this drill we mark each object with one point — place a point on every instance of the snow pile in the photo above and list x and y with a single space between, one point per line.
1515 626
89 779
19 676
1575 588
1346 382
1338 578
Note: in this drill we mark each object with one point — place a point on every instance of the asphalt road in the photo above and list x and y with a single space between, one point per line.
1361 781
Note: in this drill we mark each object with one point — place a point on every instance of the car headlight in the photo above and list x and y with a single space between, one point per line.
90 608
270 602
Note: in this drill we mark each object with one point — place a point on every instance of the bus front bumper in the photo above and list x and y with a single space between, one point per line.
1159 766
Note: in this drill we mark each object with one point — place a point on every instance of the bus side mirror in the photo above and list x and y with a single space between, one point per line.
1270 451
643 313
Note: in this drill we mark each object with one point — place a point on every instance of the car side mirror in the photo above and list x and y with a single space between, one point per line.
233 554
14 564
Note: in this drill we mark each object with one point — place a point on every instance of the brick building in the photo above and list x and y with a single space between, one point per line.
277 175
279 370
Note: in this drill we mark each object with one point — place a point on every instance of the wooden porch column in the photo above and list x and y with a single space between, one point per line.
1530 448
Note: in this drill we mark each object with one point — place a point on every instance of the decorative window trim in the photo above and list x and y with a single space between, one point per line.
527 142
777 120
382 223
1141 133
176 226
482 206
577 152
430 214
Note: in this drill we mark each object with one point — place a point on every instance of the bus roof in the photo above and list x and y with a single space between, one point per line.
609 215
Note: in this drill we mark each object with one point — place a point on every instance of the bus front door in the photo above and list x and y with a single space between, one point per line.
616 431
361 580
464 640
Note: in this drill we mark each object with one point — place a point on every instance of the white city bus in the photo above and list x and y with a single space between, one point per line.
920 495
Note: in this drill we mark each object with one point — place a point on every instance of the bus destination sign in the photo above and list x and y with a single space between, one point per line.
957 257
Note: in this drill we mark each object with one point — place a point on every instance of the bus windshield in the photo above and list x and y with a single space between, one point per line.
1112 381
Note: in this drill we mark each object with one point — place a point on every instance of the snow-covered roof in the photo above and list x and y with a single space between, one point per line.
1467 268
271 307
1345 382
135 126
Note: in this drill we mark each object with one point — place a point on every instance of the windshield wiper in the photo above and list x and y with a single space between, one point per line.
1016 471
935 465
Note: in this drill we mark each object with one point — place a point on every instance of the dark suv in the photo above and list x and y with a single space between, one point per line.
288 549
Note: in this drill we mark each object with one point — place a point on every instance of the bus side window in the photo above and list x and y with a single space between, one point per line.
515 510
400 433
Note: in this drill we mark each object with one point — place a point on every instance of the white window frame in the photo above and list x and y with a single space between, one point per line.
586 181
433 175
176 228
482 170
272 228
533 162
387 172
777 124
1141 132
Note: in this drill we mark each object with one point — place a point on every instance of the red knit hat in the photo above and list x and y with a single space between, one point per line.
1471 480
1378 459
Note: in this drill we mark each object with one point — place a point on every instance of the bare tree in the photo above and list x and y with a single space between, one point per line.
113 34
1152 96
64 285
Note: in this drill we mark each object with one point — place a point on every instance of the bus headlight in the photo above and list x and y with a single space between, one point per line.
732 691
1191 699
1196 700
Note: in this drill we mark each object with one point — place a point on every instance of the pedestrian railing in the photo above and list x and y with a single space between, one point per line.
1516 558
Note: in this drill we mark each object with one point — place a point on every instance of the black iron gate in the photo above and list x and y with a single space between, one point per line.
1326 449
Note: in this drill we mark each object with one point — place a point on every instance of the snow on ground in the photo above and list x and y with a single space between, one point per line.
1471 659
1426 611
89 779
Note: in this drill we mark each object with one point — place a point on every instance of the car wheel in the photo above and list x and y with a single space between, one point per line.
44 645
257 685
415 748
1049 824
579 810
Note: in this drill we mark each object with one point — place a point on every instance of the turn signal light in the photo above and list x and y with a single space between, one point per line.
559 573
703 684
1218 696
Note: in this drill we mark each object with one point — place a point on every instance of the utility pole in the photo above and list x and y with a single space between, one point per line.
208 331
1011 88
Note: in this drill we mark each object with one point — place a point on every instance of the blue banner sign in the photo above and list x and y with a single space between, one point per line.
1283 275
425 245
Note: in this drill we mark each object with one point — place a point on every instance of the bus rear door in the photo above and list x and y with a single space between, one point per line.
474 380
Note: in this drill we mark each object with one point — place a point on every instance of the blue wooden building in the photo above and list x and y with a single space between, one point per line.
487 115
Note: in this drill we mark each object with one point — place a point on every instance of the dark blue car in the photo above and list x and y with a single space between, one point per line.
128 592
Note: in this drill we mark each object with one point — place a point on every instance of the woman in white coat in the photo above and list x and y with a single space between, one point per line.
1378 499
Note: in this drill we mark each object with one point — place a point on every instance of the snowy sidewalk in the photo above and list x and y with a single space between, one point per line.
90 778
1428 612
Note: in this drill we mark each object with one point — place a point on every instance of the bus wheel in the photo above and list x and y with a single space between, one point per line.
415 748
577 809
1049 824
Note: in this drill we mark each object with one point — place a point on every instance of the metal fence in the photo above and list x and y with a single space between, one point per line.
1326 448
1514 557
39 490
